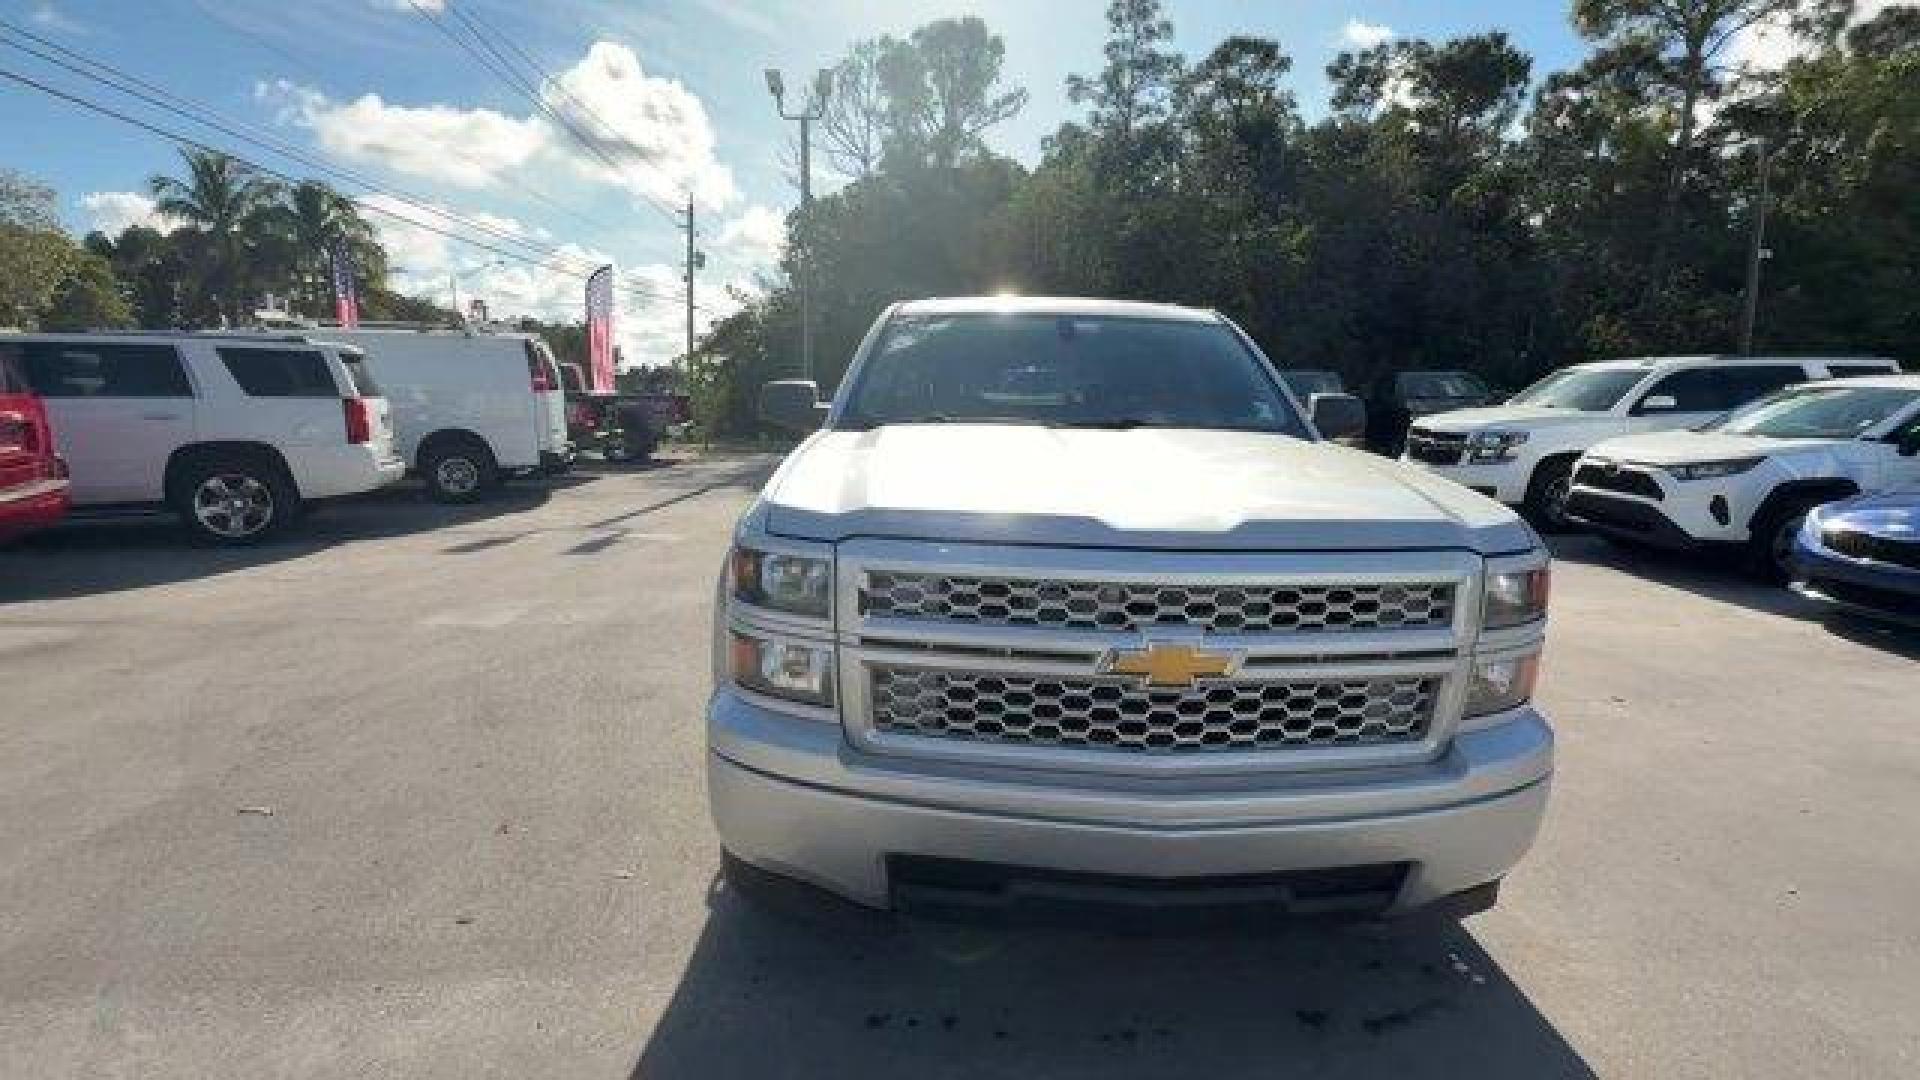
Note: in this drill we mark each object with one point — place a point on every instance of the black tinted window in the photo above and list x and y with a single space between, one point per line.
1697 391
280 372
358 375
1854 371
1440 384
11 381
101 369
1067 370
1746 384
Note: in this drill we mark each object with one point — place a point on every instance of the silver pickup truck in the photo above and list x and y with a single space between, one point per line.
1071 600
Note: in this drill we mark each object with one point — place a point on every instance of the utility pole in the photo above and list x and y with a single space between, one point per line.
814 109
1756 254
690 267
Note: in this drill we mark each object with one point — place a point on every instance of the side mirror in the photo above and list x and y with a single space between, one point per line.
793 404
1909 443
1659 403
1338 416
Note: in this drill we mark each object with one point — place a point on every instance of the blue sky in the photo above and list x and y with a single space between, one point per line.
374 86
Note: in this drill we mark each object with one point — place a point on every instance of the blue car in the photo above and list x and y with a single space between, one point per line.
1863 555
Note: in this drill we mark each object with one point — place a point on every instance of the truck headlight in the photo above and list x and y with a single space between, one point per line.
783 667
1502 683
1516 597
795 584
1494 445
1709 470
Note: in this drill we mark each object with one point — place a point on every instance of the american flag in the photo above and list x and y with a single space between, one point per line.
600 329
346 298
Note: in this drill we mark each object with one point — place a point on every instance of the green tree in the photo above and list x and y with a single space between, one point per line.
226 202
35 256
294 239
88 298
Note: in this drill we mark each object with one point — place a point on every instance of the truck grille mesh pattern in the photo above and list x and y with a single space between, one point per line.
1094 605
1124 715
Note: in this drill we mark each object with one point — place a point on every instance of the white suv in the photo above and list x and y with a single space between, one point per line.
1522 452
234 433
1746 482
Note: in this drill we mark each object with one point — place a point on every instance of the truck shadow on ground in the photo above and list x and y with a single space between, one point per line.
1722 580
82 558
844 993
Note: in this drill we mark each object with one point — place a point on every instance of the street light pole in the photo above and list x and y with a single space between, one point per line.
814 109
1756 254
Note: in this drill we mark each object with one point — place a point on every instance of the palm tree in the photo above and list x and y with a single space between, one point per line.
223 199
313 219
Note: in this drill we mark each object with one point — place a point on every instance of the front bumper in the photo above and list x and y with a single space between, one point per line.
556 463
1881 592
790 795
1505 481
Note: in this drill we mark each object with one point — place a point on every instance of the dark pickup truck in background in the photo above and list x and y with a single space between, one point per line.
619 426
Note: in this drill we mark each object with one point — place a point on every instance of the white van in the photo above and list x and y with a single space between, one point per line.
470 407
235 433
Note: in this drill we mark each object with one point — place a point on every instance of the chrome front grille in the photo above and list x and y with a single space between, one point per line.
1128 716
1133 605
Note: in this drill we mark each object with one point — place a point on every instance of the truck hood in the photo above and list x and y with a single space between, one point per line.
1510 417
1681 447
1144 488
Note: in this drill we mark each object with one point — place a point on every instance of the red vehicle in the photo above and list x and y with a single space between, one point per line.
33 479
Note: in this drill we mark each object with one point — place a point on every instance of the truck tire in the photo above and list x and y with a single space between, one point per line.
234 499
1546 501
458 470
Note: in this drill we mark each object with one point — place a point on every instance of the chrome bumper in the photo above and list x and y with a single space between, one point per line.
791 795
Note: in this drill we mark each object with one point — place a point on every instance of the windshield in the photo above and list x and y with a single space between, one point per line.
1580 389
1067 371
1305 383
1442 384
1819 412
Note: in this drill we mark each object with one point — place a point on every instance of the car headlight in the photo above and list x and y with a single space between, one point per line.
1708 470
1516 597
784 667
795 584
1494 445
1502 683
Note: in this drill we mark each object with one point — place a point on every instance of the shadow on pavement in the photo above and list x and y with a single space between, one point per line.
82 558
847 994
1722 580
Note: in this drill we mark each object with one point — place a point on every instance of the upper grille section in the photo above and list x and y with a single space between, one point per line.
1435 447
1611 477
1860 545
1124 606
1124 715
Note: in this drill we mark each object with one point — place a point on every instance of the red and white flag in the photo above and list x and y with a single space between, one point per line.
600 330
346 298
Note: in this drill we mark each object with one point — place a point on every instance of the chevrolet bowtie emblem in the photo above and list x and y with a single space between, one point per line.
1169 665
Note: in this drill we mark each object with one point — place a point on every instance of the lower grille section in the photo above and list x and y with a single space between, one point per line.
1125 716
1861 545
1435 448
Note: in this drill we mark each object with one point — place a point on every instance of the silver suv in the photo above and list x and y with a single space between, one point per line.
1070 599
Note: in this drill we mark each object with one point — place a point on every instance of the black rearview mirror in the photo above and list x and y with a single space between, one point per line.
793 404
1338 416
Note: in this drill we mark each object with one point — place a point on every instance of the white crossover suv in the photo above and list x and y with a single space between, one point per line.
1522 452
235 433
1747 482
1068 600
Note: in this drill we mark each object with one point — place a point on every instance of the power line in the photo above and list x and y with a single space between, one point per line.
482 29
189 141
270 45
189 110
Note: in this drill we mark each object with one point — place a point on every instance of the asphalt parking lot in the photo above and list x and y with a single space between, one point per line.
419 792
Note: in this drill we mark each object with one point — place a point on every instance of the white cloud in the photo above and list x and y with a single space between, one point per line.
755 237
112 212
468 148
1770 44
411 6
649 136
49 17
1364 35
649 330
